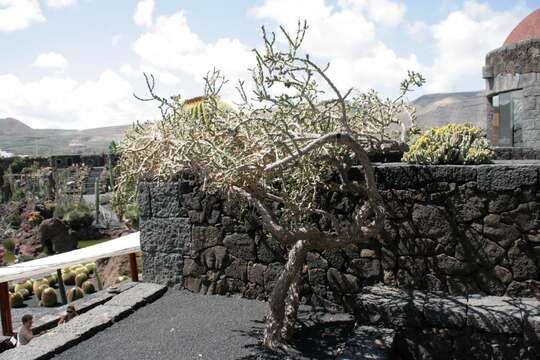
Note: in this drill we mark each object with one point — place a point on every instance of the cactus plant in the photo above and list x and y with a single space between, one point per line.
24 293
48 297
97 200
28 284
69 278
80 278
75 294
19 287
16 299
40 289
450 144
11 287
90 267
52 280
38 283
88 287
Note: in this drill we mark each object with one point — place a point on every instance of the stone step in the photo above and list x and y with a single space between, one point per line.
86 325
369 343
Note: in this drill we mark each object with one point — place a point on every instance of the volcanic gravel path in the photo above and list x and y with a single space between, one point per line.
180 325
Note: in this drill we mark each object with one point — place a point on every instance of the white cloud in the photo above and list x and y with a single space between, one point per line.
19 14
144 13
346 37
51 60
60 3
116 38
171 46
384 12
462 41
63 102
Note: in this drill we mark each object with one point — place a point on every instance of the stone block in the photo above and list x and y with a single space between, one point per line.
241 246
500 178
203 237
445 311
169 235
255 273
165 200
315 260
237 270
369 342
215 258
342 283
494 315
365 268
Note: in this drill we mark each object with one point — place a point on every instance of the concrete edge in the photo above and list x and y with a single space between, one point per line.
87 324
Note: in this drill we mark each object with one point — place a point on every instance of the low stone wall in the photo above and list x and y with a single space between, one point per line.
456 229
444 327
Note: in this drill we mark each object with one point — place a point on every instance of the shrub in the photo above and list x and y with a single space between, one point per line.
9 245
19 195
80 217
450 144
17 165
15 221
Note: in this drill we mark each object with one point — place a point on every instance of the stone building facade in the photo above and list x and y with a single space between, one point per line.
512 74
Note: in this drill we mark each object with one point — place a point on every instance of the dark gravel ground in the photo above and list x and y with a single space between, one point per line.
182 325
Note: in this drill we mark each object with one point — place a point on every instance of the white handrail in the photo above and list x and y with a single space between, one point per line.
121 246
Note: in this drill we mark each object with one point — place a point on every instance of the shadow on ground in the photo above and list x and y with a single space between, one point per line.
317 337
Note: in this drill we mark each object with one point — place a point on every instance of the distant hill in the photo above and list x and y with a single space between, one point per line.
19 138
461 107
11 126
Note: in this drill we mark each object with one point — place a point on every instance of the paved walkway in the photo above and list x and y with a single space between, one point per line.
184 326
178 326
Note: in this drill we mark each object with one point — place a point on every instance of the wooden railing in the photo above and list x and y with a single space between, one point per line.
125 245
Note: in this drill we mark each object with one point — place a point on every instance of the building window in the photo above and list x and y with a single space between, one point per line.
503 119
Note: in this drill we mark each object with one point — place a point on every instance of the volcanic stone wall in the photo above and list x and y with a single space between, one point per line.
455 229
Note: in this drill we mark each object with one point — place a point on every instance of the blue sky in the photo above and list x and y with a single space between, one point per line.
76 63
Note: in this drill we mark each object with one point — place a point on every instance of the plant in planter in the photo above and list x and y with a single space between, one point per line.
277 152
450 144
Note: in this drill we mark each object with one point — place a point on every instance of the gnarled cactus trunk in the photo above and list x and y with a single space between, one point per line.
284 299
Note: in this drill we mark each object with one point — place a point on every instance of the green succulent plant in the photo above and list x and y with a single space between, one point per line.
69 278
80 279
52 280
88 287
75 293
40 289
24 293
16 300
48 297
90 267
450 144
38 283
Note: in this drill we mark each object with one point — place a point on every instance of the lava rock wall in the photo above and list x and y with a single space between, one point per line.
455 229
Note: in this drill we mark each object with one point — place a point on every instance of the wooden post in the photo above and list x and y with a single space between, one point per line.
61 287
5 309
133 267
